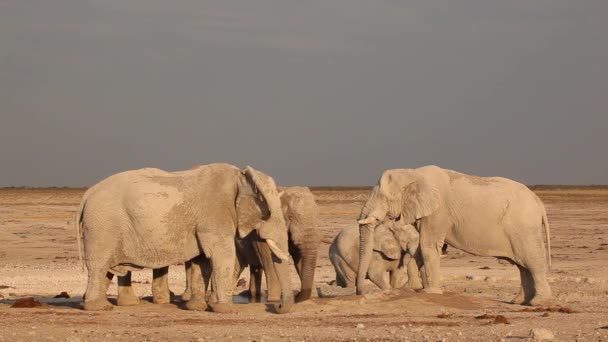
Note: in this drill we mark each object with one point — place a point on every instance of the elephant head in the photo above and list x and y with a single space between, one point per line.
258 209
402 194
391 238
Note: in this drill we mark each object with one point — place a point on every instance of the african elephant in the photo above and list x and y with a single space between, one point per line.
488 216
151 218
392 240
301 213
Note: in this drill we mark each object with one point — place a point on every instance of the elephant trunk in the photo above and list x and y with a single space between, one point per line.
366 246
287 300
307 273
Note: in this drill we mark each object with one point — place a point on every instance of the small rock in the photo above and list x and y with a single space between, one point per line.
590 280
500 319
541 334
360 326
62 295
28 302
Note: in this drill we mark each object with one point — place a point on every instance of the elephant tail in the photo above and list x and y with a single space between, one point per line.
78 223
548 236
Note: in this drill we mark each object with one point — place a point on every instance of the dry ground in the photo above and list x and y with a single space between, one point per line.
38 257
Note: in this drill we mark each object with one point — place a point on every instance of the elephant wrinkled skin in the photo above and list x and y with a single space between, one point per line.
151 218
301 214
488 216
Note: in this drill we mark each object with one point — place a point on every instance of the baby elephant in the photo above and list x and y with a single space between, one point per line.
392 241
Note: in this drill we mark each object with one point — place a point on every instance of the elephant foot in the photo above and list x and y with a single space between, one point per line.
223 308
186 295
98 305
540 301
520 299
196 305
127 301
432 290
273 299
161 299
303 295
415 285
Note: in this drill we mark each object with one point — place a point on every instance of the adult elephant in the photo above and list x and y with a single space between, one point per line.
151 218
488 216
301 215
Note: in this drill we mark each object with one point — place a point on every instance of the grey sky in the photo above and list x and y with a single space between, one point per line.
312 92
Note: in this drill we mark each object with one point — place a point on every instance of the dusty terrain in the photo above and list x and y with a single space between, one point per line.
38 257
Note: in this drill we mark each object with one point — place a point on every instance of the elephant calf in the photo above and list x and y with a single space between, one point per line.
393 240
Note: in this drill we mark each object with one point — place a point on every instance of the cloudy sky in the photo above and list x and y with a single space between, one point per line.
327 92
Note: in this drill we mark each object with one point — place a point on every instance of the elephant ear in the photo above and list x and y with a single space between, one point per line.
258 204
385 243
419 199
407 236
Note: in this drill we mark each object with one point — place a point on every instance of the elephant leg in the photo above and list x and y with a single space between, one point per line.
345 276
160 286
126 295
97 286
376 275
413 275
188 291
222 255
529 254
431 242
526 292
255 284
397 278
197 286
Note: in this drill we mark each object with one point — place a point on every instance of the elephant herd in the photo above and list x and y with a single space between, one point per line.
219 219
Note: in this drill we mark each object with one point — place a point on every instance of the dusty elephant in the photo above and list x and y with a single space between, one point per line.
301 214
151 218
395 245
488 216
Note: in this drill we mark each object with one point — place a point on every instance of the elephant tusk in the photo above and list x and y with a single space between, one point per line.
276 250
368 220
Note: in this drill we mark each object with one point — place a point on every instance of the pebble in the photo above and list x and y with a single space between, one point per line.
541 334
360 326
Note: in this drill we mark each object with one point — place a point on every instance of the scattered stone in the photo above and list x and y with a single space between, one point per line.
241 283
485 316
28 302
557 308
500 319
541 334
360 326
3 287
546 314
484 268
62 295
604 327
444 315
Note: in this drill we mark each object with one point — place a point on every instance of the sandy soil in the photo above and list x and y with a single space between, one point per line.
38 257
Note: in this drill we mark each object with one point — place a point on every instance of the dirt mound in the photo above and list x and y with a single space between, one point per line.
29 302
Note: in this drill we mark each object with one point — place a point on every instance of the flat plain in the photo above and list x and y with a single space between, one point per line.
39 258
